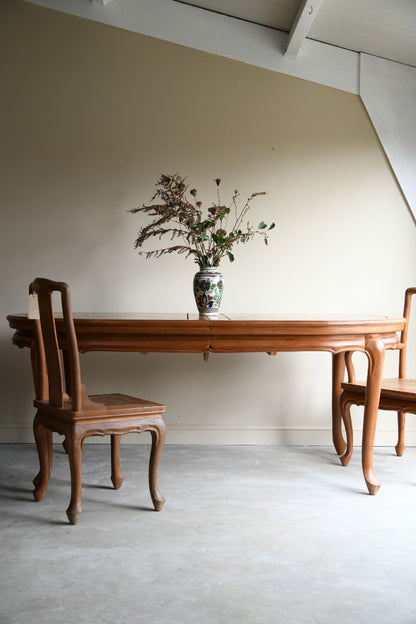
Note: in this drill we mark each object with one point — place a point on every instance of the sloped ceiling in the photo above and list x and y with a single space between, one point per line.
384 28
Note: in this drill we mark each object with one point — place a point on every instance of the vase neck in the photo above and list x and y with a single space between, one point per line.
209 268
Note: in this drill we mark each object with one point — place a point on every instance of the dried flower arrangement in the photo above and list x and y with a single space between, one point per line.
205 237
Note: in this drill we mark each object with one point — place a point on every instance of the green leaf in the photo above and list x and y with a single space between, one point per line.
273 225
262 225
218 239
230 256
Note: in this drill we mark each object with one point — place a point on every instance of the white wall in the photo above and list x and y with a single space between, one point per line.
93 116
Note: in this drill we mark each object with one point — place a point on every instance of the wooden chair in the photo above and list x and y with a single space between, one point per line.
397 394
74 414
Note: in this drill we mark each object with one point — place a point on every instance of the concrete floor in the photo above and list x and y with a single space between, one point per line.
254 535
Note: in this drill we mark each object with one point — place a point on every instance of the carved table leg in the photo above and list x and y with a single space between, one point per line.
74 448
338 373
43 438
401 421
375 351
346 417
116 477
158 440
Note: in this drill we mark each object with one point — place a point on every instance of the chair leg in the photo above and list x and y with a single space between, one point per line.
74 449
401 421
43 439
116 476
158 441
346 418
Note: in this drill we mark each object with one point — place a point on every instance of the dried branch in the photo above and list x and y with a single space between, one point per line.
207 238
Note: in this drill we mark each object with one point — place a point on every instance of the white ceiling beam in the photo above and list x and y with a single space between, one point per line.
210 32
301 26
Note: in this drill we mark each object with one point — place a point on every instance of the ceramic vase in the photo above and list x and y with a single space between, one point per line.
208 288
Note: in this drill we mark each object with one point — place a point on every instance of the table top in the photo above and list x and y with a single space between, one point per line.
149 332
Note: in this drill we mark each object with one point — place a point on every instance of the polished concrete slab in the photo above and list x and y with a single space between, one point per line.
248 534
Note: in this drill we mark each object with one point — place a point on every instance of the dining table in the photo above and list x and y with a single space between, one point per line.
245 333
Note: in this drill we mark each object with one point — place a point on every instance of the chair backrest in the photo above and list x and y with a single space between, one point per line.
403 337
51 378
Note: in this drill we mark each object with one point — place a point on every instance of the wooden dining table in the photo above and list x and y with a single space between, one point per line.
246 333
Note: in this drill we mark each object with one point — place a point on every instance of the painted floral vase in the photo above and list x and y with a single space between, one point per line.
208 288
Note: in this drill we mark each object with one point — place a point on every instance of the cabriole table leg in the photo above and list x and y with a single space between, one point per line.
338 373
375 350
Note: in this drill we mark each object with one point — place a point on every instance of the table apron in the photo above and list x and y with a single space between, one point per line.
187 343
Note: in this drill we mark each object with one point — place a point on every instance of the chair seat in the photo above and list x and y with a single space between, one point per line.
115 402
394 388
105 405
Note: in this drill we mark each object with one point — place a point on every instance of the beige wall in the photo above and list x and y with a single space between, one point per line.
90 116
